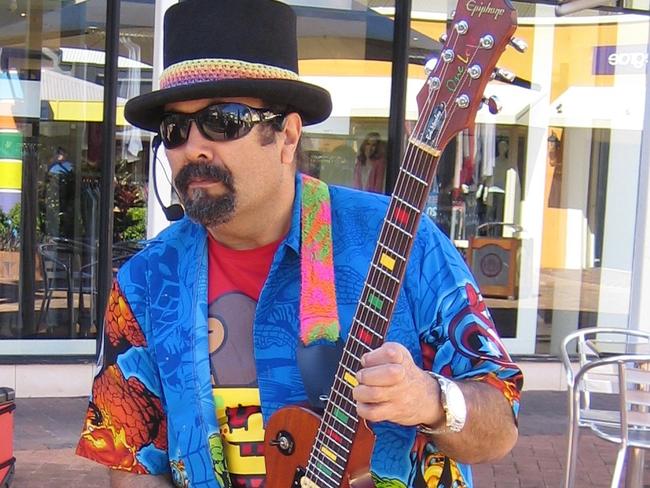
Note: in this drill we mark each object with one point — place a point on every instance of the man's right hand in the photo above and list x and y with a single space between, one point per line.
122 479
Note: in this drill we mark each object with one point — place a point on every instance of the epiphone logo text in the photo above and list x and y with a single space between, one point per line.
477 9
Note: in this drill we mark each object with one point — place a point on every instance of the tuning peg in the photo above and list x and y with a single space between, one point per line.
443 38
430 65
504 75
519 44
493 104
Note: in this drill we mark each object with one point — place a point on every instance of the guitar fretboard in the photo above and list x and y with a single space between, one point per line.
331 448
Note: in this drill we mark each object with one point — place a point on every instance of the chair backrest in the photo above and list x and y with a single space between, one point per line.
631 411
594 344
634 384
63 263
57 262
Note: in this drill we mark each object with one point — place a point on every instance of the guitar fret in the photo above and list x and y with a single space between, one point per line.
385 273
373 311
322 441
392 224
348 401
383 295
369 329
392 251
333 416
407 204
320 473
365 346
331 457
338 384
415 177
332 428
347 368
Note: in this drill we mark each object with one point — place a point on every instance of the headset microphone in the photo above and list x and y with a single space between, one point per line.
175 211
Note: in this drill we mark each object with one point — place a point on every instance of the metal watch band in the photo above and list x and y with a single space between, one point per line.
452 424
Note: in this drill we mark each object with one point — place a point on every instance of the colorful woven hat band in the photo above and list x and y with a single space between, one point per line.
206 70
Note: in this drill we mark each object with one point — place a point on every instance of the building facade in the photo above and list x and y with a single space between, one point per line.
546 199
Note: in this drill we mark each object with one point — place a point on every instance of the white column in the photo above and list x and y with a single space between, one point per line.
156 220
639 316
532 208
625 193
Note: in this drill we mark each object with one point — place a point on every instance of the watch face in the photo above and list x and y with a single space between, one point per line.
456 403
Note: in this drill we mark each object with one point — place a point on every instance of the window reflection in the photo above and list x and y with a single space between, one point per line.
51 153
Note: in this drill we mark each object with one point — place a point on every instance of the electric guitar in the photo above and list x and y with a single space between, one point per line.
303 450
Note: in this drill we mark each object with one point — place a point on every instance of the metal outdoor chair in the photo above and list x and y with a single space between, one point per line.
629 422
64 269
595 391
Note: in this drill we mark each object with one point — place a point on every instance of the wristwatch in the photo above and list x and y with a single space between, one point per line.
453 404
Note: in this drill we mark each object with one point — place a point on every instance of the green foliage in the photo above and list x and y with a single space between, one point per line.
130 215
10 229
136 225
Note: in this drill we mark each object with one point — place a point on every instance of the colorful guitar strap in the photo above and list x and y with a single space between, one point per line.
318 313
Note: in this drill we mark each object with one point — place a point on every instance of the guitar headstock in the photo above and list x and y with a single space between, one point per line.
452 94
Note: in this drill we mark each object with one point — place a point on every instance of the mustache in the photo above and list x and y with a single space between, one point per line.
201 170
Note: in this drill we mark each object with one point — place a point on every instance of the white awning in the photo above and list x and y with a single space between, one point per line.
606 107
367 96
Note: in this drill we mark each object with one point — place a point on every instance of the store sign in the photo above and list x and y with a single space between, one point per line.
621 60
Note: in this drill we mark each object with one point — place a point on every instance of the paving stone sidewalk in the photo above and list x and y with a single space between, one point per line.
47 429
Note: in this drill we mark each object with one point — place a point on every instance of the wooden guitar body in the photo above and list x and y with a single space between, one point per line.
289 437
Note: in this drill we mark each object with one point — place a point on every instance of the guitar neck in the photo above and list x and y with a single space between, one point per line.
380 292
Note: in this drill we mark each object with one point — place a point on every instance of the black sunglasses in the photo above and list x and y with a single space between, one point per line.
218 122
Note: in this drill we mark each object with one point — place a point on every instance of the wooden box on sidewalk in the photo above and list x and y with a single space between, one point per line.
494 261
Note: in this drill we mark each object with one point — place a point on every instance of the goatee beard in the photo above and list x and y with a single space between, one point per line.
201 207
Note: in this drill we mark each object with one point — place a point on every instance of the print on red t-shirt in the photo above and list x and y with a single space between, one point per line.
236 278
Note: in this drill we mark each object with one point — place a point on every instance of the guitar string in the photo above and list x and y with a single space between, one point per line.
390 233
365 313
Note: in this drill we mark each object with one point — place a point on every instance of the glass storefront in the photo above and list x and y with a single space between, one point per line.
540 198
52 72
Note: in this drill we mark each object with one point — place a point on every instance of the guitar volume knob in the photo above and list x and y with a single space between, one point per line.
284 442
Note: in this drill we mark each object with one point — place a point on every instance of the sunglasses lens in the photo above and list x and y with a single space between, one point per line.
222 122
173 130
225 122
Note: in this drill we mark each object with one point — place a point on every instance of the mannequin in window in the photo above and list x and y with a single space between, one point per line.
506 186
60 195
370 166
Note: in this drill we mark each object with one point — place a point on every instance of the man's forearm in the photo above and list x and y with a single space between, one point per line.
122 479
489 432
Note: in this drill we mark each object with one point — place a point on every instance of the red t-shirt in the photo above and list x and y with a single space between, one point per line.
236 278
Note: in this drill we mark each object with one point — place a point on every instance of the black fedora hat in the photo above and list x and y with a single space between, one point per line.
230 48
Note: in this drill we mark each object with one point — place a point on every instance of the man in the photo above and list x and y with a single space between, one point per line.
232 313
